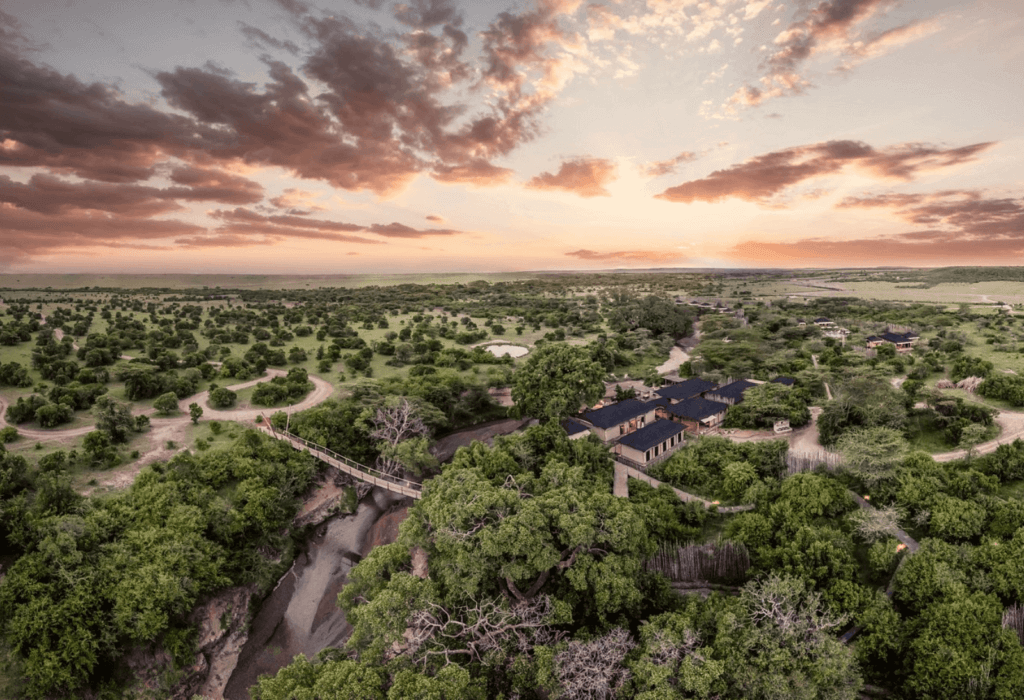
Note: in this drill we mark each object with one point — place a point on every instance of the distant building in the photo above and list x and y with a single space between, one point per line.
652 442
730 394
823 322
785 381
904 342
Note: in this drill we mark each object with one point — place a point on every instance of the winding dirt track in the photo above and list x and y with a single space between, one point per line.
166 433
321 391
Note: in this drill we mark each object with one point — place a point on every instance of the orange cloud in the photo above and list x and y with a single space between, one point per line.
658 168
477 172
583 176
645 256
963 225
762 177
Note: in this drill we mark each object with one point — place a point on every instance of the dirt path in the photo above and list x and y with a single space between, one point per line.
174 429
1012 425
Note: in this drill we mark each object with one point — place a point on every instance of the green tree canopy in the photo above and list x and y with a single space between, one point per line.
555 381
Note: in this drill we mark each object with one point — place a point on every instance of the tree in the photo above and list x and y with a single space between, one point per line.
874 524
594 669
115 419
222 397
400 432
861 401
166 403
872 453
972 436
195 412
555 381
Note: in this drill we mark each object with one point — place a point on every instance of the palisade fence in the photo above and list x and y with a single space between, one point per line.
724 562
797 462
1013 619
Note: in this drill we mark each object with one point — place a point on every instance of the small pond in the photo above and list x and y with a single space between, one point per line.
513 350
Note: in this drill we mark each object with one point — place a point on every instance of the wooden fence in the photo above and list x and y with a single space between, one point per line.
715 563
797 462
1013 619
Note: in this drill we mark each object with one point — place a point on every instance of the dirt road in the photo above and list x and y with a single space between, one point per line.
173 430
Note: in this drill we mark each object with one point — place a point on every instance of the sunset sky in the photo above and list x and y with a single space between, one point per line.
435 135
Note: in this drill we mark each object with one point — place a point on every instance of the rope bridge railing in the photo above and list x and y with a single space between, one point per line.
351 467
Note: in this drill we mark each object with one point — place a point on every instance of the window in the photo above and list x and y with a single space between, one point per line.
647 455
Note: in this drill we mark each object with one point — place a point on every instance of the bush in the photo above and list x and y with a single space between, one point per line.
222 398
53 414
8 434
25 409
166 403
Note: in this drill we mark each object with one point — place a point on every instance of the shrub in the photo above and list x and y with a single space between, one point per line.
8 434
166 403
222 398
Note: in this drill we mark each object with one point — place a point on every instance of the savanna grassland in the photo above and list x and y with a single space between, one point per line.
134 490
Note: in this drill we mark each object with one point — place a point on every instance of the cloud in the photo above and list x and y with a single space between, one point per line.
240 220
25 233
966 212
583 176
55 121
657 168
645 256
753 9
476 172
296 199
396 230
435 218
762 177
830 27
960 224
421 14
919 248
883 43
50 195
263 40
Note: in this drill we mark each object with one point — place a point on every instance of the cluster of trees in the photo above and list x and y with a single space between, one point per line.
1007 387
96 577
146 382
283 390
764 404
720 468
861 401
14 333
13 374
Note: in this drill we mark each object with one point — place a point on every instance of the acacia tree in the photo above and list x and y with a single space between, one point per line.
401 433
555 381
873 453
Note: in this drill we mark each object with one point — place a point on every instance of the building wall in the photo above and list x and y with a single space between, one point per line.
664 450
616 431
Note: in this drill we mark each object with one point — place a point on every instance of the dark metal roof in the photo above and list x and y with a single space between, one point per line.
573 427
660 401
697 408
822 319
617 413
787 381
654 434
694 386
733 391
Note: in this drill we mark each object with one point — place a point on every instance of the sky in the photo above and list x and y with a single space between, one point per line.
371 136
